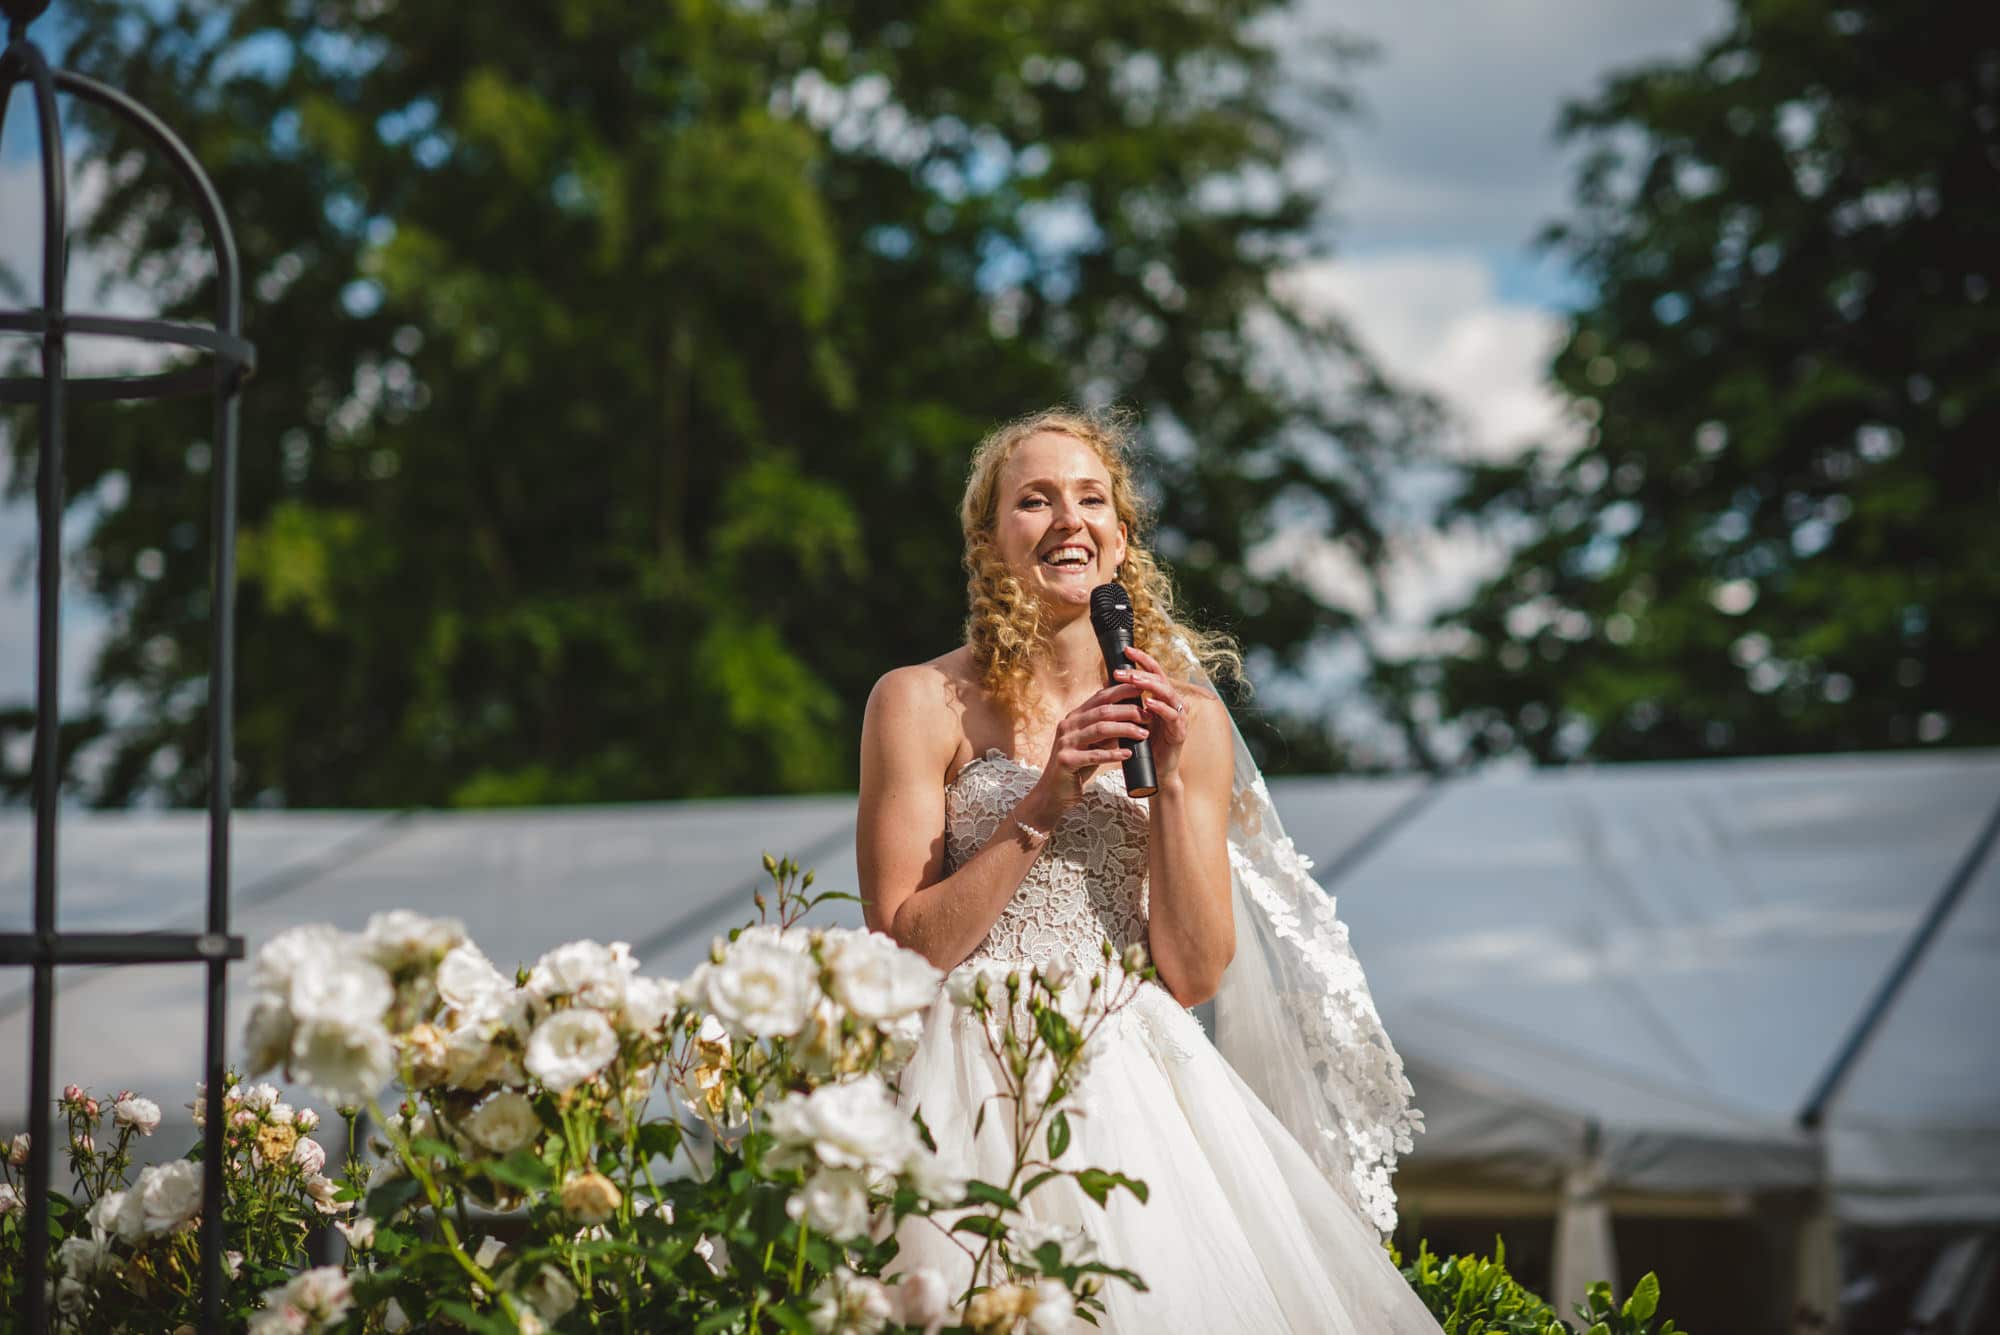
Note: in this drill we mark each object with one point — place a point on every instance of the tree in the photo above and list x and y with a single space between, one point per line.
1778 534
619 365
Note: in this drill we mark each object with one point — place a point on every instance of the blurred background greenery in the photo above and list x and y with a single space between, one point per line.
619 365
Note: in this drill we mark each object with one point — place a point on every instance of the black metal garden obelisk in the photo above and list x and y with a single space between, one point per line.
227 363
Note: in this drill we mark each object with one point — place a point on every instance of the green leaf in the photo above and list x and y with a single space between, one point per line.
1100 1184
986 1226
923 1129
1058 1137
1645 1299
1029 1188
991 1195
391 1196
522 1169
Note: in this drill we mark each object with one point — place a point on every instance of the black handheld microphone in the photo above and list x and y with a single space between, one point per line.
1111 617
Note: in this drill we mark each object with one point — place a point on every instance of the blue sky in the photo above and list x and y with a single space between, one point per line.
1437 189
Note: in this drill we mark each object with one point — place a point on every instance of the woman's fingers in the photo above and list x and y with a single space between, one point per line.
1152 685
1127 710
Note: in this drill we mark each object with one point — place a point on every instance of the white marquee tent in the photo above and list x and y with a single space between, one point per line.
1705 978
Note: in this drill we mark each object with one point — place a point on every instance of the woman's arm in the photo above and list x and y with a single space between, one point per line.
908 740
1191 927
1190 921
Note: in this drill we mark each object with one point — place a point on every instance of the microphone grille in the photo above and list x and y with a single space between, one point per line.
1111 607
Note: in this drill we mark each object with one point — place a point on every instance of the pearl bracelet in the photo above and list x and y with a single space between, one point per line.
1036 838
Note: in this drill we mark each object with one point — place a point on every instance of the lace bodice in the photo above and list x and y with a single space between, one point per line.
1089 882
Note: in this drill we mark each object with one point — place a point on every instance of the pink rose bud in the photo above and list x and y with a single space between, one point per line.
72 1092
90 1108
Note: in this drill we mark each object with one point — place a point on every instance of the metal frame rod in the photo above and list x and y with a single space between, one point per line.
233 360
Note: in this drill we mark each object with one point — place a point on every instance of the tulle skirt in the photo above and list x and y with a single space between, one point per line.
1240 1233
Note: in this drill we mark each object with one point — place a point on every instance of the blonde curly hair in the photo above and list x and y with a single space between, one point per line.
1003 624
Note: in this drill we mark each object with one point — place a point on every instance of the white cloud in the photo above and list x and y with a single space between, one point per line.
1434 319
1454 145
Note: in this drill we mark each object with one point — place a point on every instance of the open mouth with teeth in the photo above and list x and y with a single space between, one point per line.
1068 558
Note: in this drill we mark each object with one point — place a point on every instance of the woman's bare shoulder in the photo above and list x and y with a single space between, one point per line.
925 701
936 686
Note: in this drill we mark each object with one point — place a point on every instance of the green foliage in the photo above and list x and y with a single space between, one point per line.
1777 535
618 368
1474 1295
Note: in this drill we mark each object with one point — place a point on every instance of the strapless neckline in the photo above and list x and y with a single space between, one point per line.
994 753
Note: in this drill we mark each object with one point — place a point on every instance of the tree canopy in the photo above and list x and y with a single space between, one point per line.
619 367
1779 531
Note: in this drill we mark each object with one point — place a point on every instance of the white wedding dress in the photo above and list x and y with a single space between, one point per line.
1243 1230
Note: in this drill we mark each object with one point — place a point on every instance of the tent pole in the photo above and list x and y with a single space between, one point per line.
1906 964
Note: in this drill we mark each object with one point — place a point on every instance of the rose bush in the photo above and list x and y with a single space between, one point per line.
579 1146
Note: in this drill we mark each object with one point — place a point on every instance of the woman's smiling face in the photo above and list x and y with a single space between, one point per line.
1057 526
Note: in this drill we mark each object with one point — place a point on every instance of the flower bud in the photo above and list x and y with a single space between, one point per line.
590 1198
17 1150
1135 958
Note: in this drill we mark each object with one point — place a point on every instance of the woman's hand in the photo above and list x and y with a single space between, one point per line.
1166 703
1096 733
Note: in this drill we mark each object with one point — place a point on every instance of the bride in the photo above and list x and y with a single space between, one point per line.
995 826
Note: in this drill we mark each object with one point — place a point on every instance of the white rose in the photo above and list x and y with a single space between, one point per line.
1054 1308
10 1200
85 1256
570 1047
323 1191
550 1293
845 1303
400 938
852 1125
347 1061
714 1253
761 989
489 1251
921 1298
281 956
594 974
277 1320
267 1034
1026 1236
121 1214
72 1298
649 1003
309 1154
795 939
322 1294
900 1038
503 1123
834 1201
17 1150
343 987
281 1113
142 1115
360 1234
876 978
307 1120
466 978
256 1097
169 1194
936 1177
